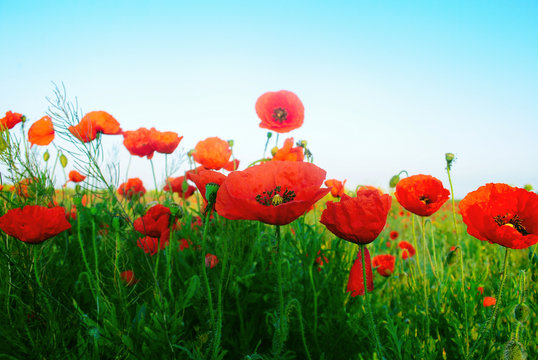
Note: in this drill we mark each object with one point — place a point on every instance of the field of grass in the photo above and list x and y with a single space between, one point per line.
264 291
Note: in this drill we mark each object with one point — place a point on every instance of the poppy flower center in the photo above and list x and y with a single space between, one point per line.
426 200
514 222
275 197
280 114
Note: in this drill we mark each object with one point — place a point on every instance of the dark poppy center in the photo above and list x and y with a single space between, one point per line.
280 114
426 200
515 222
275 197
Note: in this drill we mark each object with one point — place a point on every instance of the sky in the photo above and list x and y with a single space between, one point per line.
386 86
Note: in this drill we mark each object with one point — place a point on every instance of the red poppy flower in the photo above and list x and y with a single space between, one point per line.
489 301
213 153
22 188
336 186
85 130
151 245
41 132
359 219
480 290
155 222
103 122
355 283
502 214
321 260
393 235
288 152
384 264
128 277
232 165
176 185
280 111
71 214
184 244
408 249
34 224
133 187
10 120
211 261
204 177
164 142
276 192
421 194
139 143
76 177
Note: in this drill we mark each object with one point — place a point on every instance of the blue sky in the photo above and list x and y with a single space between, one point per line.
386 85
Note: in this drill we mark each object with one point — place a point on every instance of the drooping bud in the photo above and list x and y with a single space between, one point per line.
189 154
452 256
46 156
394 181
522 313
514 350
274 150
63 160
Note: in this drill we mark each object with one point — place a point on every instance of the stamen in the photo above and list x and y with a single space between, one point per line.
280 114
426 200
514 222
275 197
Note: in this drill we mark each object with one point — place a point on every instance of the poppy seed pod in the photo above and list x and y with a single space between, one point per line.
63 160
46 156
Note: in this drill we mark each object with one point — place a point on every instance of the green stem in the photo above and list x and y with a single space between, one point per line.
154 179
204 272
373 329
425 283
218 331
280 292
416 244
520 300
315 304
491 320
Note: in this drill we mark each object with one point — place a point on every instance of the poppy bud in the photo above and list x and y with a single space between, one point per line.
63 161
269 134
23 119
449 157
46 156
513 350
452 256
302 143
184 186
528 187
175 210
394 181
78 188
211 192
190 153
231 143
522 313
274 150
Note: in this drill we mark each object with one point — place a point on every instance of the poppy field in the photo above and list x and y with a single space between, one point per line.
269 260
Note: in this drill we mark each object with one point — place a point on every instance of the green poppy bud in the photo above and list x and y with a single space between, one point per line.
303 143
528 187
449 157
514 350
211 192
231 143
269 134
46 156
394 181
274 150
63 161
190 153
452 256
184 186
522 313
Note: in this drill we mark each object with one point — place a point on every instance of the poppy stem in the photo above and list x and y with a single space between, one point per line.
485 333
315 303
280 292
373 329
425 285
521 298
204 272
462 271
154 179
415 243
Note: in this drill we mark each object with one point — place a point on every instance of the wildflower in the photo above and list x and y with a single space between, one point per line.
41 132
360 219
180 186
139 143
204 178
393 235
232 165
408 249
34 223
384 264
151 245
276 192
336 186
423 195
502 214
10 120
288 152
355 283
75 177
128 277
184 244
321 260
489 301
211 261
213 153
92 123
154 222
164 142
280 111
480 290
133 187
